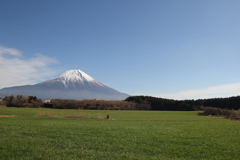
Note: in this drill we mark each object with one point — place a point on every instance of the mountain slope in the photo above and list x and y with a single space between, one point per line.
72 84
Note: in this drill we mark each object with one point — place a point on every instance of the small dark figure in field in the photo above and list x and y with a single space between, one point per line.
107 117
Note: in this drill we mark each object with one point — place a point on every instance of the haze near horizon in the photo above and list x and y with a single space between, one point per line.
170 49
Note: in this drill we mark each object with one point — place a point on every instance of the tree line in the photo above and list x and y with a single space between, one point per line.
22 101
33 102
186 105
96 105
130 103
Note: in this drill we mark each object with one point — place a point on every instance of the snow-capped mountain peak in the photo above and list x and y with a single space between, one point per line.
72 84
74 76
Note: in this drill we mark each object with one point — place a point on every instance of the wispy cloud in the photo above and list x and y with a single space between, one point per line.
17 70
211 92
10 51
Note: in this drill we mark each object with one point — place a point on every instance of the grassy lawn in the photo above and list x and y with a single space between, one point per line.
36 134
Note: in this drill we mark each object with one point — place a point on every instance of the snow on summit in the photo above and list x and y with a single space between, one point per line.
74 76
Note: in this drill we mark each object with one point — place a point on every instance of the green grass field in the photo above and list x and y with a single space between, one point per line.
46 134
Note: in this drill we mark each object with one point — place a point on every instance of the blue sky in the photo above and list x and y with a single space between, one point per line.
165 48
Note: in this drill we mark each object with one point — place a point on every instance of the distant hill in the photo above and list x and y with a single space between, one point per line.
72 84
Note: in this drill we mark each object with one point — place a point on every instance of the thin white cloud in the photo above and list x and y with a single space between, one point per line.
18 70
227 90
10 51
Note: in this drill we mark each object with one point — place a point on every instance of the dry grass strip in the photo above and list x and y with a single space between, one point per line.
7 116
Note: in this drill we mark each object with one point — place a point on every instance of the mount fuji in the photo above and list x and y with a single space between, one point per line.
72 84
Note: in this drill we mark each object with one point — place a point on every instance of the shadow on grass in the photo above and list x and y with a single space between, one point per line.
201 114
99 117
